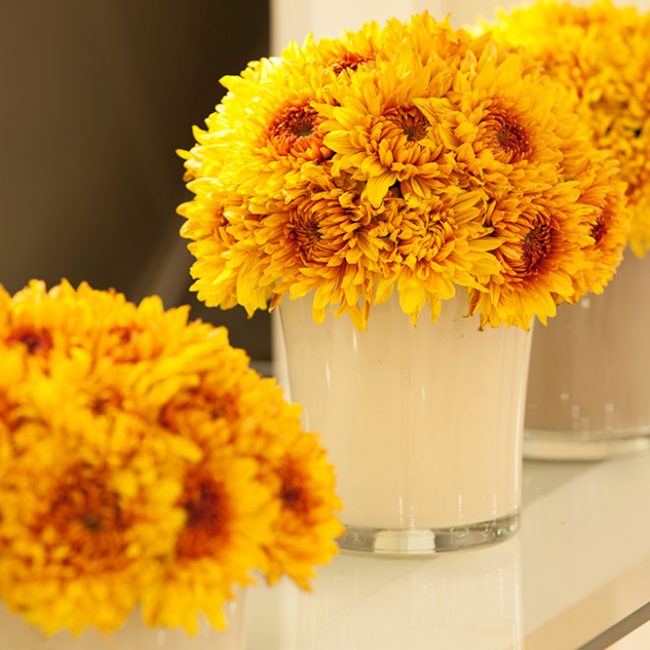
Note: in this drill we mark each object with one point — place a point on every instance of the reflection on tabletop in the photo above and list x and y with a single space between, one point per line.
579 565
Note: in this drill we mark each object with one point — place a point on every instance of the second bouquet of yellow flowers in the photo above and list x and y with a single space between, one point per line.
590 376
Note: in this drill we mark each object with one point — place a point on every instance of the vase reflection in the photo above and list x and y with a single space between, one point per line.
466 600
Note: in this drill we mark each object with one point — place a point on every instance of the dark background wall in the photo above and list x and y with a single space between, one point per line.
95 98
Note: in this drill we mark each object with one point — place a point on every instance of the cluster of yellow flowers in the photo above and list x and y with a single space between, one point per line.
600 53
411 158
142 462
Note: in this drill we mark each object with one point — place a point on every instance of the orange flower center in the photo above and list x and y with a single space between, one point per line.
349 61
536 245
292 494
189 410
5 408
89 521
104 399
304 232
294 129
510 139
204 505
37 341
123 344
124 333
599 229
410 120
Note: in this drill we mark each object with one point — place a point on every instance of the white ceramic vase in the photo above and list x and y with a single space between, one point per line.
16 634
424 424
589 386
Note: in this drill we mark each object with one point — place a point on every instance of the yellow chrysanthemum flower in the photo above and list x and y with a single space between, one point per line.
142 462
600 54
229 518
304 531
435 247
542 238
414 158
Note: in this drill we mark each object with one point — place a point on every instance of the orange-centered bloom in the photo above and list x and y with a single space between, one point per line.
144 464
413 159
600 54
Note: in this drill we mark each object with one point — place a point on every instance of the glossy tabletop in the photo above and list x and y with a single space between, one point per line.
577 575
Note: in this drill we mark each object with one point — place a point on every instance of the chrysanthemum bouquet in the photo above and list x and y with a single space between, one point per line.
142 463
601 55
413 159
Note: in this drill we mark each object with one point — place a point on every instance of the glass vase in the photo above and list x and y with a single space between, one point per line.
589 386
424 424
17 634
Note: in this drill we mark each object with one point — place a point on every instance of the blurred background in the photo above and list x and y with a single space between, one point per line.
96 97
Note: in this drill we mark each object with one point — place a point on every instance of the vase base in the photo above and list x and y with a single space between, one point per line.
428 541
571 446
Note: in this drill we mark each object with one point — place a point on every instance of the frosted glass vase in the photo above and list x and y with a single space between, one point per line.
134 635
589 385
424 424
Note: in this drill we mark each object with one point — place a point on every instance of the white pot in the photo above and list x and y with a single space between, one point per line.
423 423
134 635
589 385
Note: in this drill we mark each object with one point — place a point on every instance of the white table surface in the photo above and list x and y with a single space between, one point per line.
576 575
